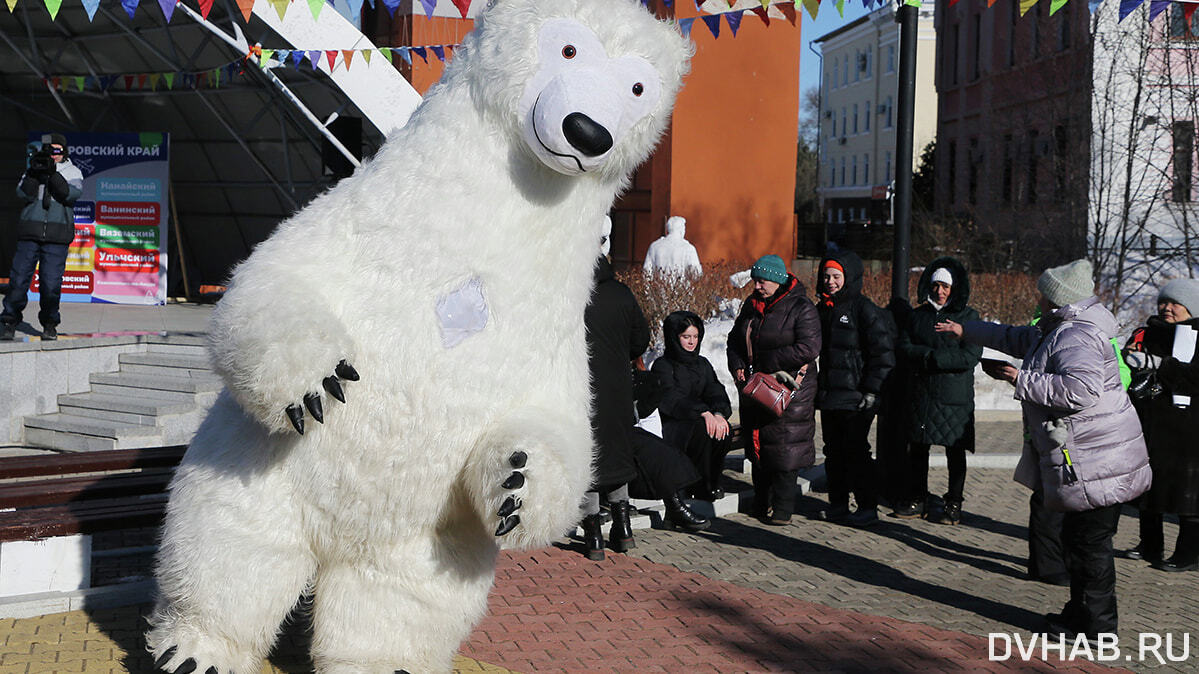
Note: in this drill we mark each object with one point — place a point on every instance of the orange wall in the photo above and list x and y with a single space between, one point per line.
733 141
436 30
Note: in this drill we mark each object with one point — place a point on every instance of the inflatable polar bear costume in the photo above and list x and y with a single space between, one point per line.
451 273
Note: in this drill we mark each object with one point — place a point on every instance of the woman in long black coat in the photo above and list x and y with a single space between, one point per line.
940 391
694 405
780 324
1169 432
617 333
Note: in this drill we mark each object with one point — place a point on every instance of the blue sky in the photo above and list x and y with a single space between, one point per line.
826 20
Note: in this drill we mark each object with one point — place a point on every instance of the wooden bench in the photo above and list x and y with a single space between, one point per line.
64 494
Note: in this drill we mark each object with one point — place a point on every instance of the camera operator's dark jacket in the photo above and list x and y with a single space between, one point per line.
55 224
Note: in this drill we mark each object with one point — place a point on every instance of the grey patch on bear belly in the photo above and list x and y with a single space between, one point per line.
462 313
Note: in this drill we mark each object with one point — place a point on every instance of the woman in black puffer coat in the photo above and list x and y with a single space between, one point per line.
694 406
781 325
940 389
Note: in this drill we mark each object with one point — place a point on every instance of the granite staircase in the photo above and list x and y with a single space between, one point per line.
157 398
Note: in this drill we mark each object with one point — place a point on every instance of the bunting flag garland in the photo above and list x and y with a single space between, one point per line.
713 21
1157 7
212 78
734 21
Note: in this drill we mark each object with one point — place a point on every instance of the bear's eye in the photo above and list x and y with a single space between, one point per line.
638 89
569 51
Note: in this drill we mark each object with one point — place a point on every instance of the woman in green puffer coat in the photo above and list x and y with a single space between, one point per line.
940 400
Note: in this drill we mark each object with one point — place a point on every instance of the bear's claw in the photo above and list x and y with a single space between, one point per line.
187 667
164 658
507 524
518 459
514 481
312 400
510 505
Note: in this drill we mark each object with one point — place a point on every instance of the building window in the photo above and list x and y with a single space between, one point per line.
844 122
954 48
1063 28
953 172
869 62
891 58
1033 149
855 117
973 162
858 62
1013 21
1035 26
836 67
866 169
887 112
887 176
854 163
1184 160
842 171
866 118
975 46
1007 168
834 118
845 72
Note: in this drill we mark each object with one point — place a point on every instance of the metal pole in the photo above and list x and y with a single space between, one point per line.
907 16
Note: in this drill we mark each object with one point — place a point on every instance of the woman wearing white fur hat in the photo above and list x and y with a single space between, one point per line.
1084 447
1169 428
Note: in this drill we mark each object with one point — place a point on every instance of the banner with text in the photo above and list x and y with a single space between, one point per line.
119 251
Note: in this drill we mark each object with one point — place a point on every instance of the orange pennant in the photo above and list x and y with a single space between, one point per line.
348 55
246 7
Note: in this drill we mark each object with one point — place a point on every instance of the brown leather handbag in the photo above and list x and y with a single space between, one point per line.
764 389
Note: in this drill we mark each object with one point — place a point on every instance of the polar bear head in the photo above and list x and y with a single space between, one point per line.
586 85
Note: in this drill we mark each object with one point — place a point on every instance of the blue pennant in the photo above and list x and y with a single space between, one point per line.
130 7
439 52
1127 7
1157 7
713 22
314 57
391 6
685 26
430 5
296 57
734 19
420 51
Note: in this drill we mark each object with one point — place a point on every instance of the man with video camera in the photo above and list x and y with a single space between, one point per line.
49 188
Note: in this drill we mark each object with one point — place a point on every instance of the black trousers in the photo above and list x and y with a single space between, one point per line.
847 459
776 489
1087 540
1186 548
918 472
1045 554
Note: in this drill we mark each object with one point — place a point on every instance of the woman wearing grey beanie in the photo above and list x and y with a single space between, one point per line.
1084 446
1169 428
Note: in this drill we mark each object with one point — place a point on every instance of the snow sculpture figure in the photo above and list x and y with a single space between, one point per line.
673 252
404 359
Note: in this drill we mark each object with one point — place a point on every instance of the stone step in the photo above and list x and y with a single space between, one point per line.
70 442
70 423
125 409
136 380
185 346
161 360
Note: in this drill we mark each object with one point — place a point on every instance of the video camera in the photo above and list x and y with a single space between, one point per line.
41 164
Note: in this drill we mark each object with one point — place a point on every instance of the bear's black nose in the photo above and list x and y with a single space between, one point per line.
585 135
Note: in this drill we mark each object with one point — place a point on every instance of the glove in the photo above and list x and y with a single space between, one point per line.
58 187
29 186
868 402
786 379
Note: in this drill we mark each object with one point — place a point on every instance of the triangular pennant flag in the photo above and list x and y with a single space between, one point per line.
90 6
130 7
391 6
1026 5
366 54
912 3
761 12
990 3
430 5
55 82
684 25
406 54
231 71
246 7
841 7
1127 6
201 79
170 80
281 55
439 52
1188 10
347 55
813 6
1157 7
89 82
296 57
314 57
52 6
216 77
765 4
106 82
265 58
154 79
734 19
280 7
79 82
355 10
1055 5
141 81
953 2
331 55
463 6
420 51
12 4
789 12
128 82
205 7
315 7
168 8
713 21
387 54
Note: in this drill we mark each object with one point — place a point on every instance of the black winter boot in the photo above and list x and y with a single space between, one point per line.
620 537
593 537
679 515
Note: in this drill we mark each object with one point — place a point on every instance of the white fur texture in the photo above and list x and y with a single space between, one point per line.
387 511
